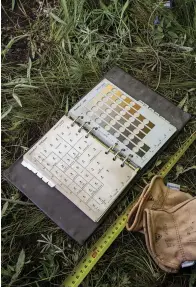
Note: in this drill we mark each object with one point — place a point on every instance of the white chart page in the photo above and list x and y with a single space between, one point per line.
79 168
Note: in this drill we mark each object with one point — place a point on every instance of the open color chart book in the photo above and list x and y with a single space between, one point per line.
94 153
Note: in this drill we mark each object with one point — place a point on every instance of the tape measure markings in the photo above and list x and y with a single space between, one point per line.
100 247
172 161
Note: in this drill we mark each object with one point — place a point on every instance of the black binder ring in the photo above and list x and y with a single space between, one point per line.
125 159
94 128
116 154
83 126
111 148
74 121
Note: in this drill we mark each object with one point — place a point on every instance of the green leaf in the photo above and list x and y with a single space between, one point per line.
159 36
154 67
103 6
13 4
11 268
140 50
5 272
15 82
179 169
150 174
183 101
124 8
185 108
25 86
67 106
5 206
64 5
29 69
160 29
162 23
172 34
6 112
158 162
56 18
19 266
168 24
33 48
17 99
11 42
20 262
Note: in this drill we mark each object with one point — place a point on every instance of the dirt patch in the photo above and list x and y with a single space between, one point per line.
14 23
17 22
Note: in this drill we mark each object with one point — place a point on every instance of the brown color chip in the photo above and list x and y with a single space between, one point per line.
141 135
126 116
114 97
118 93
146 130
109 87
122 104
141 118
136 107
150 125
127 100
118 109
132 111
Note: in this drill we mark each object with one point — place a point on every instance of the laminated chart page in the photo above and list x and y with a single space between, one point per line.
119 118
74 162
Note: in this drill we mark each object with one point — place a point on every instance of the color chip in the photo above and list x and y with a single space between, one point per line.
119 115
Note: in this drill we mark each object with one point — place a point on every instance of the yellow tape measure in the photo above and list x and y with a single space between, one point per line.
100 247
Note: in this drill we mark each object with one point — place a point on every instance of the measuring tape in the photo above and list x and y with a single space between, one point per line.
100 247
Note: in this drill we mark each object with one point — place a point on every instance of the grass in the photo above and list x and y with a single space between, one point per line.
67 49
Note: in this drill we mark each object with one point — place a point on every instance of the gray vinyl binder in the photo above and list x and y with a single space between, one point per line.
56 205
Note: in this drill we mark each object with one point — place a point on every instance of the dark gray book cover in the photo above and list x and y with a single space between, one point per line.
54 204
